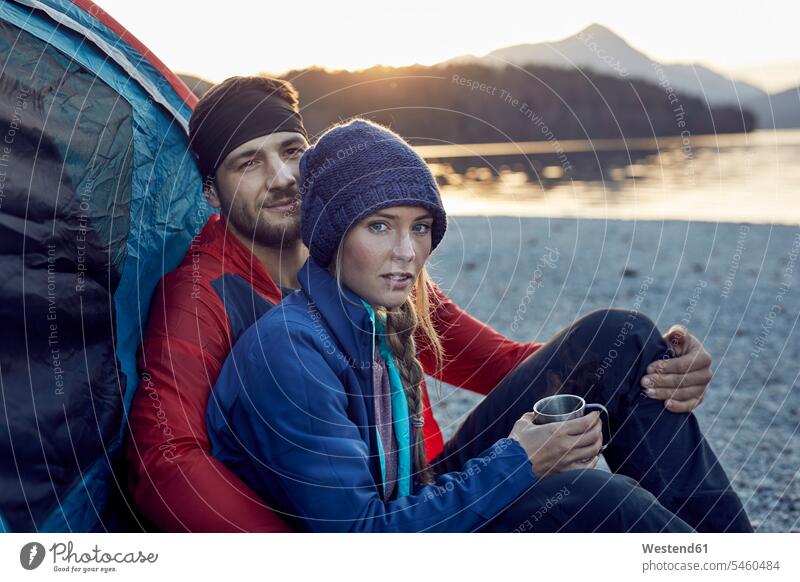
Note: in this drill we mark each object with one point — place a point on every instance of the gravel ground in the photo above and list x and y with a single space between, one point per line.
734 285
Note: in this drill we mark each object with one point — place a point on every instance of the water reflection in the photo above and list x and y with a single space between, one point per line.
731 178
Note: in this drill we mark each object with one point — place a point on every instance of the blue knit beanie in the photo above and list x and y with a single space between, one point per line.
351 172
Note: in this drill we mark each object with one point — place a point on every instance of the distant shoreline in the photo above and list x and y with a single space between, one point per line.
759 137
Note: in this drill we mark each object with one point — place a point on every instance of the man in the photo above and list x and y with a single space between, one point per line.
248 136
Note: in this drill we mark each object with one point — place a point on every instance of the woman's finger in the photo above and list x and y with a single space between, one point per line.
579 426
587 452
588 438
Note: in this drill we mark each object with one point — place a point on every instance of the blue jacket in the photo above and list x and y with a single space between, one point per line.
292 415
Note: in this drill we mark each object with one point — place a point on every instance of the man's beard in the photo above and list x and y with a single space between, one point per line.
259 230
281 236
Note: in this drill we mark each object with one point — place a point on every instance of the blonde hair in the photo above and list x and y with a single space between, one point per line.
402 324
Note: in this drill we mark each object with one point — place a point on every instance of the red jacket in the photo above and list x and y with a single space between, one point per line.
197 313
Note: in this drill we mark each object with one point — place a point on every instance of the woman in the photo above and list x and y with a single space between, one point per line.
319 407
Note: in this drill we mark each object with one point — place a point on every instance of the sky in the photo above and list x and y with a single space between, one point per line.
215 40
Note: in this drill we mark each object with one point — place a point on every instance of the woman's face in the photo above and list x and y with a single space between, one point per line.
383 254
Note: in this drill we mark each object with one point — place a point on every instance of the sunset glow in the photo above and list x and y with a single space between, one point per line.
216 40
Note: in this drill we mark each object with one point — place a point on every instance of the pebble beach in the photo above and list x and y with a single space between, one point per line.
735 286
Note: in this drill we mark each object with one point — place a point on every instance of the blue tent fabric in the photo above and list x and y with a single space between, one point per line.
99 197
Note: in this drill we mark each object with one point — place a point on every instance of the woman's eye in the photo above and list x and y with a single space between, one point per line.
422 228
378 227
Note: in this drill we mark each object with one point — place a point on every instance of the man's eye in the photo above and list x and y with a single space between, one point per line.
378 227
247 164
296 151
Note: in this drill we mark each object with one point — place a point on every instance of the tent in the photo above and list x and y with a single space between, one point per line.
99 197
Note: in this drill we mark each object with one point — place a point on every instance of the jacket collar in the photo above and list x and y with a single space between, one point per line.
349 320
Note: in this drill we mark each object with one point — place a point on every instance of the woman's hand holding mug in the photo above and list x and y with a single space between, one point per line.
560 446
559 436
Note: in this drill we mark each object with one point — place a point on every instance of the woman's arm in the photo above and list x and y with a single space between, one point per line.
287 432
477 357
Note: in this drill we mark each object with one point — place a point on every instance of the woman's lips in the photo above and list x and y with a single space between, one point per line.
398 281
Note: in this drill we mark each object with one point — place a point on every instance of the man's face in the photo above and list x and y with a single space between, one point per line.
257 189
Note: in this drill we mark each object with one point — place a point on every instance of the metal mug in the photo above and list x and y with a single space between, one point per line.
563 407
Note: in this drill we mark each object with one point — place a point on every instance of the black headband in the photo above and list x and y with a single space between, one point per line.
237 119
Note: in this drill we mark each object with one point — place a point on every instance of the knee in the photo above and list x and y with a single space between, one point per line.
617 323
615 342
605 349
615 335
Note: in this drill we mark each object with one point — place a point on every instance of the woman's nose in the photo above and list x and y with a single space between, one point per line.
404 249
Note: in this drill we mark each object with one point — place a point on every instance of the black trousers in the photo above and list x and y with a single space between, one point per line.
665 477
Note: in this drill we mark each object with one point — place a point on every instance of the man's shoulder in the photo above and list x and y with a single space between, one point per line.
200 261
185 296
205 259
201 268
186 283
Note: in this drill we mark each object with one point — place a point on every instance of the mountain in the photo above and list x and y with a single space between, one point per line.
598 50
478 103
601 50
784 106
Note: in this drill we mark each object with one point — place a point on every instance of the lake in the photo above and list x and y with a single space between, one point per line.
751 177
